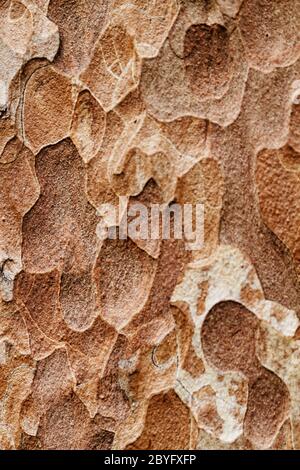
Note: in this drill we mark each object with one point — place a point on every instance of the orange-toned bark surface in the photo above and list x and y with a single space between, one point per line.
143 344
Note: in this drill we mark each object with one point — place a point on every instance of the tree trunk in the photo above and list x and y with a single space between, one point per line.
149 224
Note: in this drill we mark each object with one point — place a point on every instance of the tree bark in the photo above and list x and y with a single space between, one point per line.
119 330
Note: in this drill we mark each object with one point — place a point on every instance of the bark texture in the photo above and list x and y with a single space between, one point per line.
141 344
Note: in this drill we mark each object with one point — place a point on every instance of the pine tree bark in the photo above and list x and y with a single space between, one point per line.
130 342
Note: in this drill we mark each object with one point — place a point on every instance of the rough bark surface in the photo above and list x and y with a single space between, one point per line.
127 344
